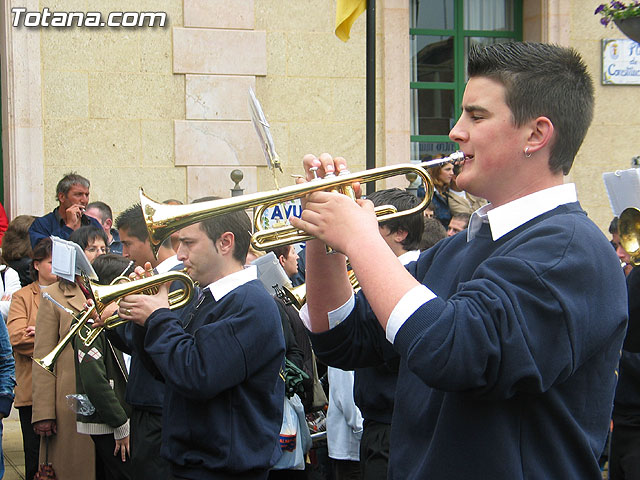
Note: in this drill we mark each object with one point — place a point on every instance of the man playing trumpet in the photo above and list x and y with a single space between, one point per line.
509 333
222 369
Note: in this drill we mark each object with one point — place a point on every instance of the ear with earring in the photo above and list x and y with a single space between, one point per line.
527 153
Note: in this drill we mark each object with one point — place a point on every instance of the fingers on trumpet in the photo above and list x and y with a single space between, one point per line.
320 167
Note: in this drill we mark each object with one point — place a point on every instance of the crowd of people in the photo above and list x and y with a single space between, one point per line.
480 339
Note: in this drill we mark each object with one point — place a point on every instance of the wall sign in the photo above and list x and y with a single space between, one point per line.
620 62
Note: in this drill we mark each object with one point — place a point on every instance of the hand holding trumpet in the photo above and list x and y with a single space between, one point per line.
333 217
137 308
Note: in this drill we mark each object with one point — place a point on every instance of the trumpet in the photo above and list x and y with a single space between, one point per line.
629 231
104 295
177 299
163 220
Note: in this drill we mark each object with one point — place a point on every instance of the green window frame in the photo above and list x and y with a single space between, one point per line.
459 35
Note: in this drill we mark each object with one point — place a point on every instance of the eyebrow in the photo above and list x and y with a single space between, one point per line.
474 108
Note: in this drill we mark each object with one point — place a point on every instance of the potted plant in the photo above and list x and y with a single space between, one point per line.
625 16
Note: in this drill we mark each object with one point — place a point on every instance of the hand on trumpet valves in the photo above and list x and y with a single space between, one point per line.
137 308
94 320
142 272
332 217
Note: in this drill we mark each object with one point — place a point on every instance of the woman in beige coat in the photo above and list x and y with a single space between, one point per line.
21 323
71 453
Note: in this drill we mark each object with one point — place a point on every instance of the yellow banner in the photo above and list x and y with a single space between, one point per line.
347 11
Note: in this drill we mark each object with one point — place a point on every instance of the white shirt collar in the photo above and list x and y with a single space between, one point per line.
221 287
409 257
167 264
508 217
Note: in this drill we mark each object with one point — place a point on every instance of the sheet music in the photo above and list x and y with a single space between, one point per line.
623 189
68 260
271 273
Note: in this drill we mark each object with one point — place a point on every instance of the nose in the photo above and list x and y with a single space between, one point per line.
180 253
621 252
458 133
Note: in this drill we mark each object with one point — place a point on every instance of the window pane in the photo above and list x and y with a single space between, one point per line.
488 15
431 59
432 14
432 112
420 149
471 41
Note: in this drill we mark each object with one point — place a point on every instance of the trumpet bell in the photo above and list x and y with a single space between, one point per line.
629 231
296 296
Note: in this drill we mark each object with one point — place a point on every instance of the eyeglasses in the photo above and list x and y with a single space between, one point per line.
101 250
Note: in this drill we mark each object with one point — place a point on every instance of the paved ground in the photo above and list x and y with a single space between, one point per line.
12 448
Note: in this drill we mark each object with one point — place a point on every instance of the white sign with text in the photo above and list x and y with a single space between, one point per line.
620 62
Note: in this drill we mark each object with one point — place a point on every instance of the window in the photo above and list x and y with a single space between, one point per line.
442 31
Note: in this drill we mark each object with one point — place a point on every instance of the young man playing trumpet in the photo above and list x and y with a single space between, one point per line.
221 362
509 335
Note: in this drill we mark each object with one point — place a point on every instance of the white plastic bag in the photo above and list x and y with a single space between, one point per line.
295 439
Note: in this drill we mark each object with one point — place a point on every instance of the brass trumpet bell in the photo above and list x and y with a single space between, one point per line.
629 231
163 220
296 296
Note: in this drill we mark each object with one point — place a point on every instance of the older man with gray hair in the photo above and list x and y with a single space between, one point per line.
72 193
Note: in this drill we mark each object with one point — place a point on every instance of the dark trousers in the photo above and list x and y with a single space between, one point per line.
345 469
146 438
112 467
374 450
30 442
624 457
225 476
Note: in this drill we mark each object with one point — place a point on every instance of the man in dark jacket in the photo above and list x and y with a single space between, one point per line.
222 361
72 192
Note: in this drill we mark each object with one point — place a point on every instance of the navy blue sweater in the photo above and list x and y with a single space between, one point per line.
224 396
626 407
510 371
52 224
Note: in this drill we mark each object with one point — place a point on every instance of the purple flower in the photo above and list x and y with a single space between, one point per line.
604 21
599 9
617 5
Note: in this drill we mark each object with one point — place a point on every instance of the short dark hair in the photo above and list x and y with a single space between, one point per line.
68 181
236 222
283 250
110 266
402 200
613 226
434 231
132 220
103 208
542 80
16 243
83 236
41 252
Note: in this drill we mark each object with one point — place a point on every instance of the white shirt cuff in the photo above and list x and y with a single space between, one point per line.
408 304
336 317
